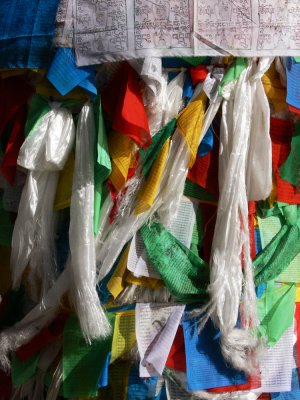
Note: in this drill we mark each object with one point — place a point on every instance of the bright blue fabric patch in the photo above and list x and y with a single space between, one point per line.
26 32
258 246
188 89
103 380
126 307
207 143
65 75
293 82
140 388
294 394
206 367
260 290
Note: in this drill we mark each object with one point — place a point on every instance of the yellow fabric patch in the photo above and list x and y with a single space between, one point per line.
116 284
124 337
121 151
64 186
190 123
147 193
275 91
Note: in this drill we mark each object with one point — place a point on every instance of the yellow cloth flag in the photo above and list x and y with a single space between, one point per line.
275 91
273 195
45 88
190 123
64 186
124 337
121 151
147 193
117 284
298 293
143 281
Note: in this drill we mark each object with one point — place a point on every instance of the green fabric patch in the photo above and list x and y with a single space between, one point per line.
191 189
22 371
184 273
82 363
290 170
233 73
102 167
276 311
149 155
280 258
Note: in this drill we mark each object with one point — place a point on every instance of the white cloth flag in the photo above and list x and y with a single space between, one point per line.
156 327
277 364
124 29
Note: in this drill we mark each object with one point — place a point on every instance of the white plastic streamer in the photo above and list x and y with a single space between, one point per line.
259 162
44 154
42 314
53 391
231 238
168 104
91 316
177 166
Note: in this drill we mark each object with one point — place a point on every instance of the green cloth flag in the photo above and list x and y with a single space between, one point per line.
82 362
280 258
233 73
149 155
185 274
38 108
22 371
198 233
102 167
191 189
276 310
290 170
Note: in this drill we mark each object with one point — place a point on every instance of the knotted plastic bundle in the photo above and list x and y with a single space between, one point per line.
231 266
44 153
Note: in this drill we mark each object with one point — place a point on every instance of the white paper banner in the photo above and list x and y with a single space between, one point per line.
124 29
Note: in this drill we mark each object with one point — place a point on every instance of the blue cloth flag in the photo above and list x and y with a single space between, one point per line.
65 75
206 367
103 380
207 143
140 388
26 32
293 83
